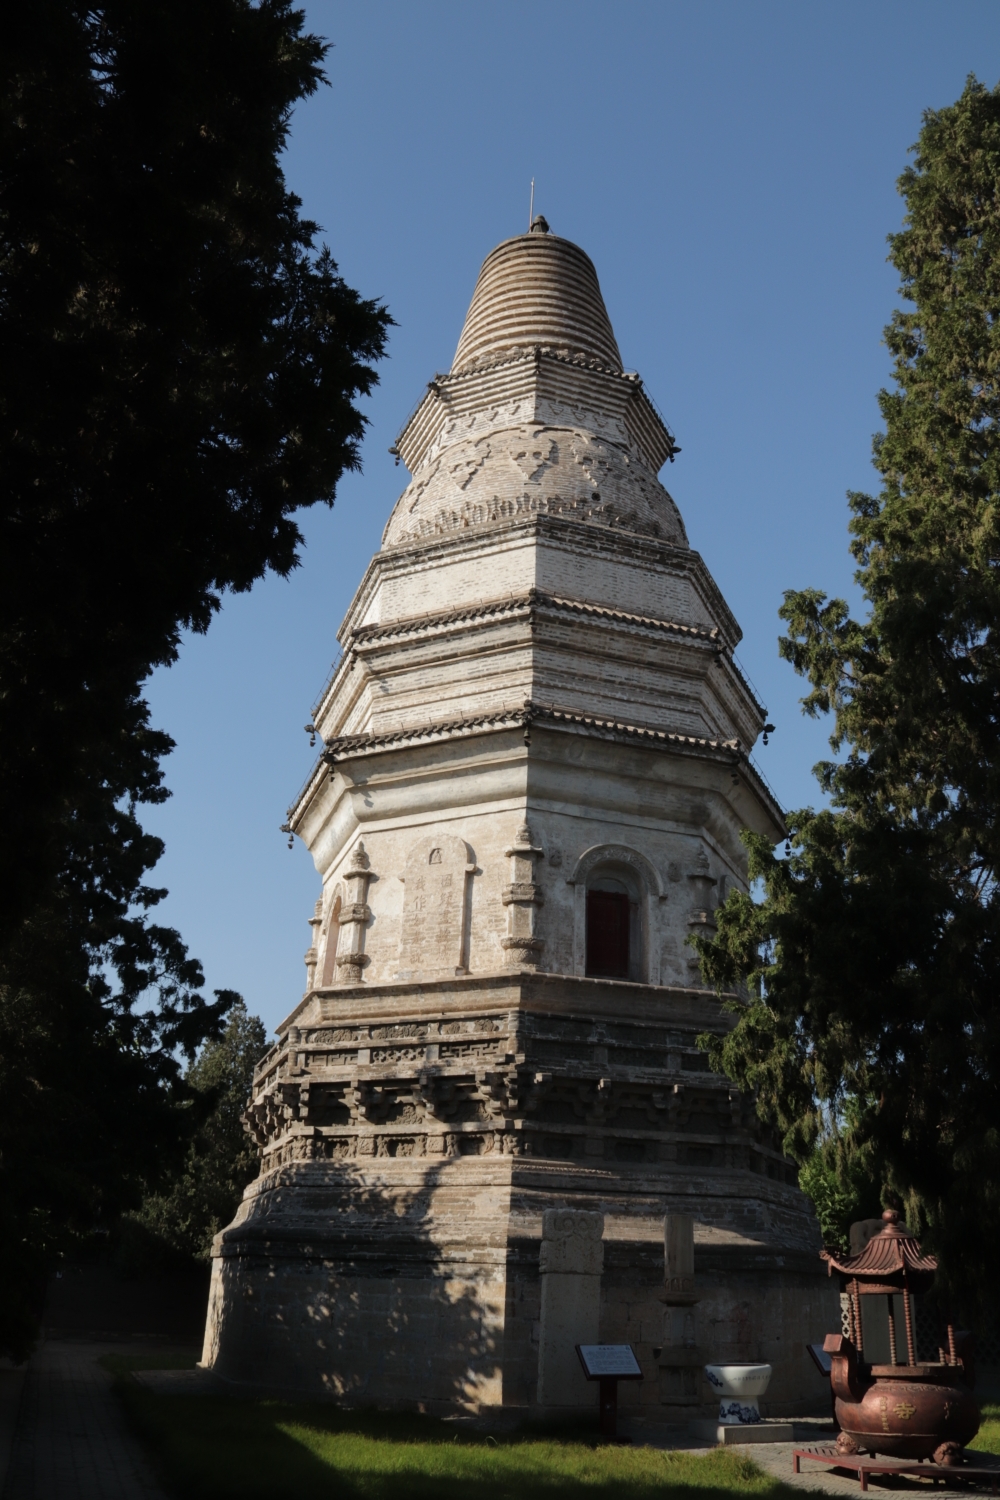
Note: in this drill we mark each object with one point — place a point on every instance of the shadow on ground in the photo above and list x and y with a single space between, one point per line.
224 1447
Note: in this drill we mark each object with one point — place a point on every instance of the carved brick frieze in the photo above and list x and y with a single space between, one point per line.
481 1023
319 1061
567 1088
453 1050
397 1054
439 1095
500 1090
368 1101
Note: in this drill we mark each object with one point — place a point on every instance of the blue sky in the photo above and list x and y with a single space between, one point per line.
730 168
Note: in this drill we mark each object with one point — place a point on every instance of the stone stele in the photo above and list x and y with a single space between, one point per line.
536 731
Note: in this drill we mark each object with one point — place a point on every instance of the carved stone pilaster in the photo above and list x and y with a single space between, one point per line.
522 899
355 914
701 919
312 953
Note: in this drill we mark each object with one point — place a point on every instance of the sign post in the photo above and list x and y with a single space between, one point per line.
609 1363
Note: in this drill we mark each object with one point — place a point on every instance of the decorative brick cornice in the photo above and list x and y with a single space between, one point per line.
524 717
351 746
530 602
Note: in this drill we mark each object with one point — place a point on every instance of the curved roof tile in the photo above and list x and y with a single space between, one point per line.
892 1250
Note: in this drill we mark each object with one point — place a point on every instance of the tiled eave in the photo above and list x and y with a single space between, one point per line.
530 605
352 747
532 600
531 713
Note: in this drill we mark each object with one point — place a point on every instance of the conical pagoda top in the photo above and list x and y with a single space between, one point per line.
889 1253
536 416
537 290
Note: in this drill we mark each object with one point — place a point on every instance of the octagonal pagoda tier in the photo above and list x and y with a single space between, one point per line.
534 773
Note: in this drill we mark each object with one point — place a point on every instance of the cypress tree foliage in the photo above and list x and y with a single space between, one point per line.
181 371
183 1219
180 365
872 965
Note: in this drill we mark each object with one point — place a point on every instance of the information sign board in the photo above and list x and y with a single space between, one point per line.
609 1361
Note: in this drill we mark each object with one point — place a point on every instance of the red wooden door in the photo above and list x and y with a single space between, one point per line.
607 934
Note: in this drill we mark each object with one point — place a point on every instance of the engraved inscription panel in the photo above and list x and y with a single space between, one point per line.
435 906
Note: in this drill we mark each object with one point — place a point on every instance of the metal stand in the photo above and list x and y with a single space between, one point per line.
607 1364
984 1469
609 1406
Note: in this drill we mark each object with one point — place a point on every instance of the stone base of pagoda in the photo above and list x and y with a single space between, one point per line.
413 1283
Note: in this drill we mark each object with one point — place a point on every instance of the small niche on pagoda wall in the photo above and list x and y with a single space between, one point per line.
332 938
436 879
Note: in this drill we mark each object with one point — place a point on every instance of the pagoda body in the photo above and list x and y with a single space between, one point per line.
534 778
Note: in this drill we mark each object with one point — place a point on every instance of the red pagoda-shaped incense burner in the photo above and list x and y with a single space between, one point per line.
911 1409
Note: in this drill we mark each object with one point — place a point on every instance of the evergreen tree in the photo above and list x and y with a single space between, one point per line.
180 366
185 1218
181 370
872 964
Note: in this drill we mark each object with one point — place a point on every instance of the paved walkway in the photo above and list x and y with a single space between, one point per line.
71 1441
11 1384
776 1458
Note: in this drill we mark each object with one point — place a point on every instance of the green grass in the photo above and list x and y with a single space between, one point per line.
230 1449
987 1439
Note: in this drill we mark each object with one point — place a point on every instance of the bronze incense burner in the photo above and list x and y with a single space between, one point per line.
911 1409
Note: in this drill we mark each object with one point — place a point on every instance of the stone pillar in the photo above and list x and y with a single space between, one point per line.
678 1258
312 953
522 899
355 914
701 920
680 1358
570 1261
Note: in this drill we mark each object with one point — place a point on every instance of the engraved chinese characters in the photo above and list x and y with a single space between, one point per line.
436 906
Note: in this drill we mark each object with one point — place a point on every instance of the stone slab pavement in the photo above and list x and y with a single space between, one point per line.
776 1458
11 1385
70 1441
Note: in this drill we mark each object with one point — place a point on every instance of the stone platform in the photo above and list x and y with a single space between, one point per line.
727 1434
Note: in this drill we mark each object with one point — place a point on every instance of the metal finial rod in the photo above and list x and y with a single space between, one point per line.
531 204
911 1348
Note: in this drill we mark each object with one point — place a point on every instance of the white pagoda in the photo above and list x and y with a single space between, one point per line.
534 776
